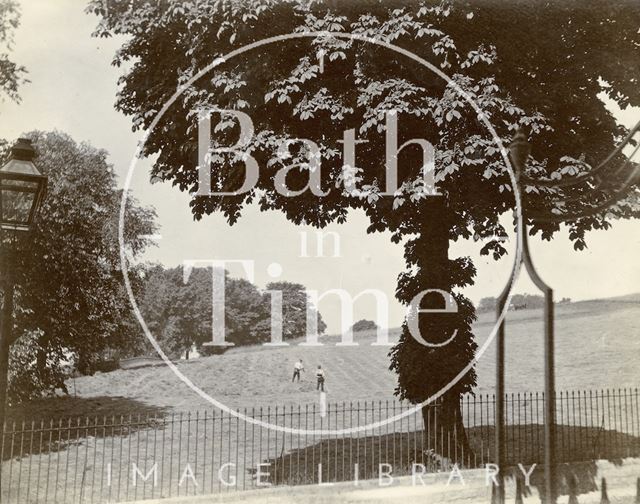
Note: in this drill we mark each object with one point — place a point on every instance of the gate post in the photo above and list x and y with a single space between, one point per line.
519 152
499 415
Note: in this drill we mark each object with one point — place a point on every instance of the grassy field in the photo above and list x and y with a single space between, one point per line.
590 354
596 347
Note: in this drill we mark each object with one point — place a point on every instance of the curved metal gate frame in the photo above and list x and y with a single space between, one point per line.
519 150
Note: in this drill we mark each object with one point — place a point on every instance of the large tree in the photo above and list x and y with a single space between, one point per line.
537 65
70 299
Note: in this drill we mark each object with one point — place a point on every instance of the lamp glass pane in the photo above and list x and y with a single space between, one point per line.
16 205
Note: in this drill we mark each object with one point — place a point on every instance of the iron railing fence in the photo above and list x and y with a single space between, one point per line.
116 459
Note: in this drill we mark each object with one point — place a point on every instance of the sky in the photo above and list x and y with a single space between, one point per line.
73 89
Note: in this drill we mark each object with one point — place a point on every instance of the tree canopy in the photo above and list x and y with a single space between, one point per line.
70 299
540 66
364 325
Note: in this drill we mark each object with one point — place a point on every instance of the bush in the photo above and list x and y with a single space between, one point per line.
364 325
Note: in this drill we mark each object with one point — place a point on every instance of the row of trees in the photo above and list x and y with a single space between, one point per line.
518 301
71 306
179 314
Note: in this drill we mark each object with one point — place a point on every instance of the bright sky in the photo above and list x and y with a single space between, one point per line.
73 89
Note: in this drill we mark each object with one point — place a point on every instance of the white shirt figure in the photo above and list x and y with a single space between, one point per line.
297 367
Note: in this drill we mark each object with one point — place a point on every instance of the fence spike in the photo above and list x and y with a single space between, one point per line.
573 489
494 494
604 499
519 491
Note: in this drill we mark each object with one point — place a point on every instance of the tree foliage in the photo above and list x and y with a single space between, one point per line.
12 75
364 325
70 300
179 314
295 301
537 66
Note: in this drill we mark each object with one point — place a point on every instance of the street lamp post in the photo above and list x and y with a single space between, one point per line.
22 189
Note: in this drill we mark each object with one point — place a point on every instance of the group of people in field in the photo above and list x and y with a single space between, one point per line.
298 367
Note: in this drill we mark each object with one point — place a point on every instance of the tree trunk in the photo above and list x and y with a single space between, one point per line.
445 433
443 421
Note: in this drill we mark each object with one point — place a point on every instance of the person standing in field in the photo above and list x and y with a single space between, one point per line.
320 377
297 367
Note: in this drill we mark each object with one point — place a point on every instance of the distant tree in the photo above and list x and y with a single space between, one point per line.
295 302
528 301
11 74
70 299
155 300
178 314
364 325
245 309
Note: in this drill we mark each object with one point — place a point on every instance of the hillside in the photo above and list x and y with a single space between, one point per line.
596 347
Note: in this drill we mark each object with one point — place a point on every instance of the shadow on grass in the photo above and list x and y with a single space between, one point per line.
67 407
573 478
52 424
339 458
